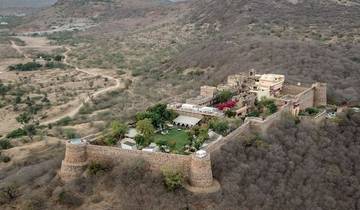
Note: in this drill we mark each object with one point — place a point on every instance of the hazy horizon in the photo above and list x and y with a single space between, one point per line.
25 3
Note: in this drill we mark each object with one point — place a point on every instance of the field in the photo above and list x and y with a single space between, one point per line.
179 136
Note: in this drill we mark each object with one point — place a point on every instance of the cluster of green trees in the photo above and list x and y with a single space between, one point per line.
153 118
158 114
49 57
28 120
115 132
4 89
147 130
198 135
264 107
219 126
310 111
30 66
223 96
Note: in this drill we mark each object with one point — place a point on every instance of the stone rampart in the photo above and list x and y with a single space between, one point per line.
157 160
196 170
243 129
306 98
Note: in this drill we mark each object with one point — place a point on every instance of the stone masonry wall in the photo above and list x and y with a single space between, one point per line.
243 129
155 159
306 99
197 170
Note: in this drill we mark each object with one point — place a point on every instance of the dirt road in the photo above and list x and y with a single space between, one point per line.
17 48
73 112
83 101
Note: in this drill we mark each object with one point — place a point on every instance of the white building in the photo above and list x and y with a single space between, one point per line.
268 85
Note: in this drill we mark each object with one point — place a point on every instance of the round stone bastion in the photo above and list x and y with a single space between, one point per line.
200 177
75 160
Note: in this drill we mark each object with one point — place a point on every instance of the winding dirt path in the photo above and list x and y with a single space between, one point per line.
17 48
75 110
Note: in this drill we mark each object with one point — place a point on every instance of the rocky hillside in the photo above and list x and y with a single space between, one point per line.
89 11
306 40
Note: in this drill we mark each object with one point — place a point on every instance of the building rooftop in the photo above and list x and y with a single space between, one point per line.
186 120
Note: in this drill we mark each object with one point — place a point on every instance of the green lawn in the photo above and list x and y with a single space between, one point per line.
180 137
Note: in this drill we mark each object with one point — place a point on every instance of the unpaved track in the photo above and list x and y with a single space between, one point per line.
75 110
17 48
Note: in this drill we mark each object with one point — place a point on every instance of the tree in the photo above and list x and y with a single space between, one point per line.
224 96
145 127
58 58
230 113
8 193
3 89
220 127
24 118
118 129
268 104
158 114
29 127
172 179
5 144
140 140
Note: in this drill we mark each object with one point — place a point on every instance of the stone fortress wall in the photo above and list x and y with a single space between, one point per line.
312 96
197 170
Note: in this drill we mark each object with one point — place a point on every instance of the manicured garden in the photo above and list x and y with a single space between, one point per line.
174 137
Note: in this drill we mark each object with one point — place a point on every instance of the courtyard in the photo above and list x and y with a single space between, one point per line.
175 138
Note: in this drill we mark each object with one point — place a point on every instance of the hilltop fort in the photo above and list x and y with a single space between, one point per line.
257 100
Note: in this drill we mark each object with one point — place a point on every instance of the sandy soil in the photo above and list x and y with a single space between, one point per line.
23 152
74 81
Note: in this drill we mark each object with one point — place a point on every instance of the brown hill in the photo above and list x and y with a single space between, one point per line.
306 40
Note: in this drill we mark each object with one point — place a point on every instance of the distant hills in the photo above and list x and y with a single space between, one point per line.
25 3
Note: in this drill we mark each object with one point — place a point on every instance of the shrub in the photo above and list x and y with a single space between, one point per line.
220 127
254 114
230 113
5 144
96 168
69 199
312 111
31 66
111 141
8 193
70 133
16 133
118 129
5 159
223 96
64 121
140 140
172 179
